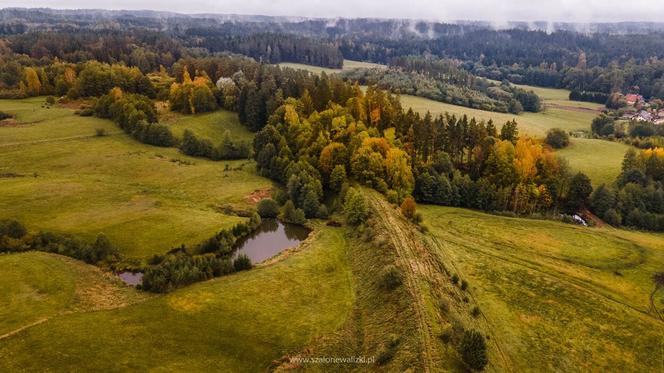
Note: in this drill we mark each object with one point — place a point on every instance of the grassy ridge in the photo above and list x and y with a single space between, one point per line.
145 199
559 297
237 323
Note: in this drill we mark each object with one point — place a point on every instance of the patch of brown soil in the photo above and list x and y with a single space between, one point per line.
589 216
75 104
9 122
258 195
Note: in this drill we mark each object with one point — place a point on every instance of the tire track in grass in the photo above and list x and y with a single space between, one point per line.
419 260
397 237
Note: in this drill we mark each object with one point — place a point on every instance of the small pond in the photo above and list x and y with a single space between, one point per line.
131 278
271 237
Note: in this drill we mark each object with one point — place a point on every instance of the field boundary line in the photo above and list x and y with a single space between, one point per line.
35 142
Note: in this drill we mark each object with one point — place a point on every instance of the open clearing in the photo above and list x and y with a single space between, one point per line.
58 176
348 65
210 126
241 322
599 159
559 297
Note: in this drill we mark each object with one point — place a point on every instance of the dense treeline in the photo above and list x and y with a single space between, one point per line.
646 78
140 48
637 197
270 47
597 97
136 115
443 80
15 238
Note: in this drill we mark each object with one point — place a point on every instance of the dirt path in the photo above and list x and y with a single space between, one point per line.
55 140
405 252
24 327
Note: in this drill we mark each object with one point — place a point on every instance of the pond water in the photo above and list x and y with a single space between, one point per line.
271 237
131 278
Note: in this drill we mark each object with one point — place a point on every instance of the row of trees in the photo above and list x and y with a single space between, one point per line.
211 258
15 238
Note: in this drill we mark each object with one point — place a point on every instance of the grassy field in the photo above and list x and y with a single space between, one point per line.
35 287
558 297
348 65
236 323
210 126
599 159
58 176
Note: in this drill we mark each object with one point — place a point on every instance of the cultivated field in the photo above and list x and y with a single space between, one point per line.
558 297
241 322
58 176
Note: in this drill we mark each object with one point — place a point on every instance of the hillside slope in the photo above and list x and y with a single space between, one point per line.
559 297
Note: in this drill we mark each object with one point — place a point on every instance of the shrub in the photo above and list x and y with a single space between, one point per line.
391 278
447 334
99 132
408 208
242 262
387 350
464 284
4 115
87 112
557 138
355 207
475 312
12 228
267 208
50 100
455 279
473 350
290 214
322 212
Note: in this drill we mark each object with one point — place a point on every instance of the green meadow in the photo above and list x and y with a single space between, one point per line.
35 287
210 126
58 176
242 322
557 297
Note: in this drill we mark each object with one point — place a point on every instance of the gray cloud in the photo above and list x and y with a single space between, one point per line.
495 11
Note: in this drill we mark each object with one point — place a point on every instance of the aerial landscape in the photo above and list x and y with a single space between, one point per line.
257 186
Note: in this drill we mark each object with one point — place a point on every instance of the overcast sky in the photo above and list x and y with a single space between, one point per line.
496 11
